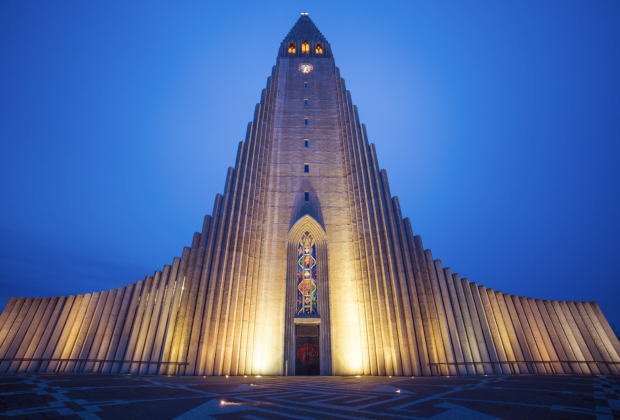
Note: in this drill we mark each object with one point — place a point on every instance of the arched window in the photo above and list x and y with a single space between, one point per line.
319 49
306 276
305 47
291 48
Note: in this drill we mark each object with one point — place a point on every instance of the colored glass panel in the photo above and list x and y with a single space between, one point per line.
306 276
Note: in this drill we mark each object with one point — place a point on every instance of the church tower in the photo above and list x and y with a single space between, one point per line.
306 266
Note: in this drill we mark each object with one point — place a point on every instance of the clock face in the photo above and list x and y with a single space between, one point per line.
305 68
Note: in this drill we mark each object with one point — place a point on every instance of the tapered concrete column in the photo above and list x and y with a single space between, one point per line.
127 326
117 335
602 333
454 336
482 301
460 323
540 334
570 337
559 332
515 303
503 332
37 328
598 341
137 324
63 331
109 329
171 273
484 326
610 333
441 313
469 327
30 331
14 328
583 346
592 347
91 329
155 316
82 332
515 332
475 321
20 327
176 300
138 353
6 312
47 335
98 328
8 323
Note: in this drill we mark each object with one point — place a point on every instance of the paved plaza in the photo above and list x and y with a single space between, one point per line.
84 396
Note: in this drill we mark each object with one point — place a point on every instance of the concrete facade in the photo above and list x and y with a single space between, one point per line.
228 305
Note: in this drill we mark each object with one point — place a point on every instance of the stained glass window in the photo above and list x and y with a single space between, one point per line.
306 276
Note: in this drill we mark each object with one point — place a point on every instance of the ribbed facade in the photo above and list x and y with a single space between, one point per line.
229 304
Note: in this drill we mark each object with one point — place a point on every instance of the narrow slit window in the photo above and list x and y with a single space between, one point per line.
307 196
306 122
305 85
306 102
306 143
306 168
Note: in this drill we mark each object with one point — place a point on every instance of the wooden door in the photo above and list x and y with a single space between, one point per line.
307 355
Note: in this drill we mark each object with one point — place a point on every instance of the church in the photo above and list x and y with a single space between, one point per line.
306 266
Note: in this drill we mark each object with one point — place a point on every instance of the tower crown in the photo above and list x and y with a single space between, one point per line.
305 40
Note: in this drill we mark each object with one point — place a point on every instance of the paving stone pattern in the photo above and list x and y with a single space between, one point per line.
26 396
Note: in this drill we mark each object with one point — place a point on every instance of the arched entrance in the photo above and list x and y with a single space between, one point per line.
307 348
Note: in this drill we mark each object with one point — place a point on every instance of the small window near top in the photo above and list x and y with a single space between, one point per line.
307 196
319 49
305 102
305 85
291 48
306 122
306 143
305 47
306 168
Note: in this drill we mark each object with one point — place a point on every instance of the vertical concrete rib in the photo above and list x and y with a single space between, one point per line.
598 342
516 331
106 303
491 331
80 332
441 313
485 343
149 342
34 333
538 354
610 333
127 327
15 327
59 338
47 326
506 332
24 333
421 356
6 312
192 295
460 324
545 345
118 327
137 324
600 330
109 328
570 337
140 343
562 337
581 342
553 335
171 274
469 326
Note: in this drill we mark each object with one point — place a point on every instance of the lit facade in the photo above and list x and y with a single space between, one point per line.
306 266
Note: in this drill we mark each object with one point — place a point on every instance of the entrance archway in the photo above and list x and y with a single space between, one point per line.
307 346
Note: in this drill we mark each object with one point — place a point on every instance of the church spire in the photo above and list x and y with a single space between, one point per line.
305 40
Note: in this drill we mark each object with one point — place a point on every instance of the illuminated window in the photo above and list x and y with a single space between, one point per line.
306 143
305 85
291 48
306 122
319 49
305 102
307 196
306 275
306 168
305 47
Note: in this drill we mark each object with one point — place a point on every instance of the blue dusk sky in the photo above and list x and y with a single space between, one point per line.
498 123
